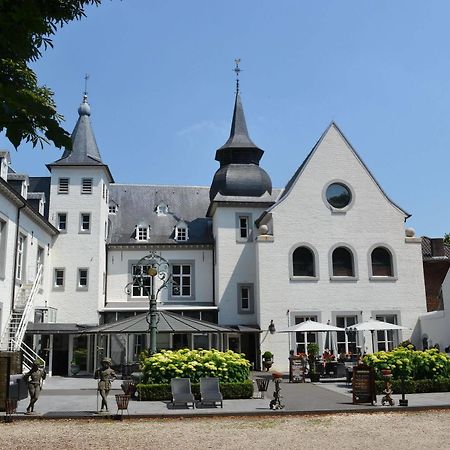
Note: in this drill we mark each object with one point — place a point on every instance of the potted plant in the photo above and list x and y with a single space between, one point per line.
267 360
313 352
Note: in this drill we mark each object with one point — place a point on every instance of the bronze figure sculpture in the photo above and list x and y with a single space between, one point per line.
105 376
34 379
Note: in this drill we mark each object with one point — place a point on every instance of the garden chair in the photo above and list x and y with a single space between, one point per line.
181 392
210 392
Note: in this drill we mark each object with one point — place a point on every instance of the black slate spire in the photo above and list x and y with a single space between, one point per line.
239 173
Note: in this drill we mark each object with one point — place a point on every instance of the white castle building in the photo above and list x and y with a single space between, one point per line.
331 246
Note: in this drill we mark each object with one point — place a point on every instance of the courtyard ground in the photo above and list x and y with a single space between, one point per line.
399 430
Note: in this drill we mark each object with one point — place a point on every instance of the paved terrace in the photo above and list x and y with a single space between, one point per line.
77 397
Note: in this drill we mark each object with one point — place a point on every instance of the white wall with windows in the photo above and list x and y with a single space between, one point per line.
192 276
349 280
79 209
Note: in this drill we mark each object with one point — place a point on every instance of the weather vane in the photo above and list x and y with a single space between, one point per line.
237 70
86 78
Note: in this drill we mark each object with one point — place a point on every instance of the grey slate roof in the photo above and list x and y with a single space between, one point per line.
41 184
169 322
137 204
84 151
239 173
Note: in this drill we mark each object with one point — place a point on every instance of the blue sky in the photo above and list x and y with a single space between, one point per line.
161 89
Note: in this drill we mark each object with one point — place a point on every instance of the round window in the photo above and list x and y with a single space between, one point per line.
338 195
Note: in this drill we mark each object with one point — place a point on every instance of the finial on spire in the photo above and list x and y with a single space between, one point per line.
237 70
86 78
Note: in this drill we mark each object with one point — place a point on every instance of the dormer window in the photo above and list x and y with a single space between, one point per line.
112 209
181 232
24 189
142 233
162 209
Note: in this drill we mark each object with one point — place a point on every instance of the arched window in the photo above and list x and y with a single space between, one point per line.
381 262
303 263
343 263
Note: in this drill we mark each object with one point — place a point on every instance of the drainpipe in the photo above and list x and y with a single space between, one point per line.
13 290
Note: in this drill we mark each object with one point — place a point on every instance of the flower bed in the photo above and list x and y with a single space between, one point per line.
409 364
228 367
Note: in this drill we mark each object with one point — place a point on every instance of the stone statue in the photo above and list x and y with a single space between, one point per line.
105 375
34 378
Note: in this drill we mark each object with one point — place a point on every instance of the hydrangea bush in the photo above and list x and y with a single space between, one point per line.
413 364
194 364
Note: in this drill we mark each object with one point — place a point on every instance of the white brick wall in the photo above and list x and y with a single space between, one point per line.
304 217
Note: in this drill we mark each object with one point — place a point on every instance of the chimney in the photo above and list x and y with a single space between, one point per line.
437 247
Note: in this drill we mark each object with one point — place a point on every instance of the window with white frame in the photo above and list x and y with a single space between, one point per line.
62 222
85 222
142 233
20 256
181 232
58 281
245 298
162 209
63 186
83 278
346 340
3 242
243 227
302 342
86 185
181 280
112 209
40 260
142 281
387 339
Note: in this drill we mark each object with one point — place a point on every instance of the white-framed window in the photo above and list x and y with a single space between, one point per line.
58 278
103 190
243 227
63 186
387 339
40 261
24 189
61 223
112 209
300 343
85 222
181 280
142 233
347 341
245 298
162 209
83 278
142 282
181 232
86 185
20 256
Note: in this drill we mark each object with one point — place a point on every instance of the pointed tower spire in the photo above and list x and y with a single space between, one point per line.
239 173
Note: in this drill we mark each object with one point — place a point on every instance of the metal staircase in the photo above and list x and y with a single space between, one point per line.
12 337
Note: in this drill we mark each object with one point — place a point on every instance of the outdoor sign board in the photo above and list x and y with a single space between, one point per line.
363 385
296 369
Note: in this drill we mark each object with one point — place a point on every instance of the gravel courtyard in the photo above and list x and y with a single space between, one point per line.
410 430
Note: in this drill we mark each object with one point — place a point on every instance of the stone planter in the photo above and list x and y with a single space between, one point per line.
267 364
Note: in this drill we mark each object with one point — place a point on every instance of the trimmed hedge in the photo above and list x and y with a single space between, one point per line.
416 386
154 392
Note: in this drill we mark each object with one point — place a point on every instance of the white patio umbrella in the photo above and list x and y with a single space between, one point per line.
310 326
373 325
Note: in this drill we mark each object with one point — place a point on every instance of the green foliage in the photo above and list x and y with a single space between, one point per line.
195 364
152 392
267 355
447 238
313 349
415 386
407 363
27 110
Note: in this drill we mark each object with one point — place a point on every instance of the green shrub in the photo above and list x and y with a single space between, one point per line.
228 366
160 392
405 362
415 386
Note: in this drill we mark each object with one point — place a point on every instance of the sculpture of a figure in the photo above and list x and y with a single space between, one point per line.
105 375
34 379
